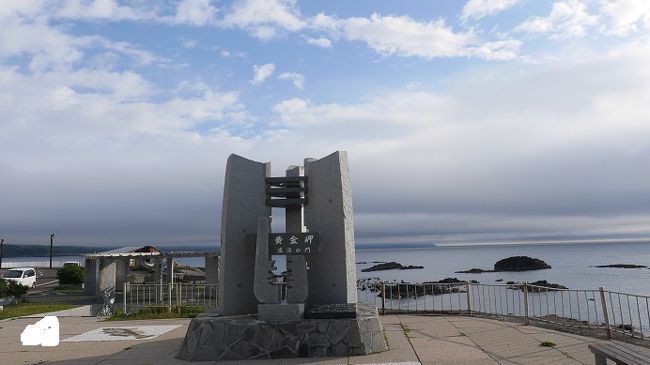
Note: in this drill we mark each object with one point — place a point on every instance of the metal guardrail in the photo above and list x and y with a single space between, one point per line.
608 312
137 296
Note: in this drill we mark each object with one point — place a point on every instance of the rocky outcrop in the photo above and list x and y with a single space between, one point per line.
406 290
473 271
514 263
545 286
623 266
520 263
391 266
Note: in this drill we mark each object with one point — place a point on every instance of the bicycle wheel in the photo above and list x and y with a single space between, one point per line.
105 311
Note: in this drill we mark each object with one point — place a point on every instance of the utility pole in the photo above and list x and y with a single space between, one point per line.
51 247
2 243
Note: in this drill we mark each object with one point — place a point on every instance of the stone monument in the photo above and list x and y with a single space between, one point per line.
312 309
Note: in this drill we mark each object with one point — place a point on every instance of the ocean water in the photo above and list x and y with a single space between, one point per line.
572 264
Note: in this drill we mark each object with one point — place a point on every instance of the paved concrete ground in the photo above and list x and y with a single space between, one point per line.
412 339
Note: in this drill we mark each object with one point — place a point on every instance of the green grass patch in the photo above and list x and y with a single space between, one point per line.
157 313
547 344
25 309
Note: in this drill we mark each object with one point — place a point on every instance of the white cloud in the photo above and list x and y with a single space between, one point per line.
626 16
189 43
49 46
297 79
21 9
262 18
568 19
261 73
403 36
111 140
97 9
52 47
477 9
321 42
195 12
536 163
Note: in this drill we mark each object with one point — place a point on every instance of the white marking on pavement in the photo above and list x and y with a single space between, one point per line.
49 282
44 332
122 333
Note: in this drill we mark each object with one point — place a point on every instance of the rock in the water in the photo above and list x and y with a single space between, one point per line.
474 270
624 266
391 266
520 263
406 290
547 286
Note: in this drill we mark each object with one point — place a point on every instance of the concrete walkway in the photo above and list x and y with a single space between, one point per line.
412 339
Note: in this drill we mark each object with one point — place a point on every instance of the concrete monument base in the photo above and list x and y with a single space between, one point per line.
211 337
281 312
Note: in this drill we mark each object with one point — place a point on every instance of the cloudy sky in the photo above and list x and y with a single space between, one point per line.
465 121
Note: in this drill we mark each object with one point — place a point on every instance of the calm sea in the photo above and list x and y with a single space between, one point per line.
572 264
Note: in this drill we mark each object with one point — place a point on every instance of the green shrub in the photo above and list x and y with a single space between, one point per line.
10 288
547 344
72 274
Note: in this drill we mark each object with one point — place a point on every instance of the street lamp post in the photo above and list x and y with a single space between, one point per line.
2 244
51 247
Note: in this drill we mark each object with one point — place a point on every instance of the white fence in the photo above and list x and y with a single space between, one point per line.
597 311
138 296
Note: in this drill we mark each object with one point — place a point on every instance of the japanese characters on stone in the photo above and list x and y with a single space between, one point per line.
293 243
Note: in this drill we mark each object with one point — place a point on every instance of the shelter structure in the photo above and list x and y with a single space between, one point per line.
109 269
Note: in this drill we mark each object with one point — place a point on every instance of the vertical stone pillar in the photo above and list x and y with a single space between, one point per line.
158 278
158 275
329 212
107 268
90 280
296 266
138 263
244 201
122 271
212 269
170 270
265 291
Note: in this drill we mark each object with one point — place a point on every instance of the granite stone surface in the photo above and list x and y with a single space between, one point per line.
265 291
333 276
244 201
281 312
211 337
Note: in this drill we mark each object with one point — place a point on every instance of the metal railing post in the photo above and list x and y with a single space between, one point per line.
178 295
169 296
383 298
468 289
603 302
124 298
527 320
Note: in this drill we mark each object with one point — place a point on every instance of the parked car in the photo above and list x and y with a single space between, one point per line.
22 275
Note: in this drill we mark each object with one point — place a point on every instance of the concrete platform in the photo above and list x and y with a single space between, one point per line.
412 340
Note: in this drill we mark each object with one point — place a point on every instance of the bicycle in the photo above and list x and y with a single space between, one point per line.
106 309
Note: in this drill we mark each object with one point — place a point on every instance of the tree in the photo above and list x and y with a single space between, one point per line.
72 274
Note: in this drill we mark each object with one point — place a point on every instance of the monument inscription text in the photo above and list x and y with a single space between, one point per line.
294 243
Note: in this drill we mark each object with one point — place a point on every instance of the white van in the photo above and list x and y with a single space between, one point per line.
21 275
